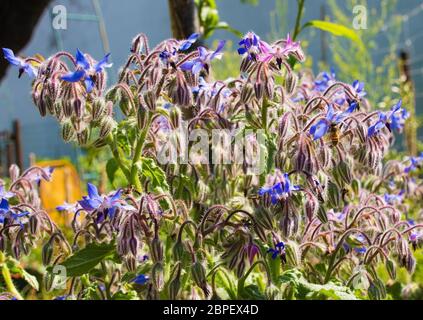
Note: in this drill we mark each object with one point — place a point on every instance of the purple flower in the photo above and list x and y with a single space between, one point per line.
188 42
253 46
5 194
42 173
7 214
359 88
394 198
20 63
68 207
106 205
281 53
166 56
322 126
393 120
141 279
278 250
326 80
415 163
204 59
86 70
280 188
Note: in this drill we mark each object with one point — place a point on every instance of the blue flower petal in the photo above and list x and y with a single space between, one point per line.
10 56
73 76
187 65
4 205
218 49
81 60
196 68
141 279
319 129
103 63
89 84
241 51
92 191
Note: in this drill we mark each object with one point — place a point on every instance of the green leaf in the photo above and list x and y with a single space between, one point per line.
225 26
157 177
307 290
85 260
111 168
16 268
32 280
130 295
336 29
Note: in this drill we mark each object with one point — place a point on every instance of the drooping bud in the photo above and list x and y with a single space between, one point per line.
130 263
77 105
178 250
98 109
175 283
34 224
133 245
158 276
311 205
68 108
291 83
106 126
175 117
258 90
82 137
156 250
68 132
390 267
247 93
150 100
14 172
199 274
125 105
179 91
47 253
142 117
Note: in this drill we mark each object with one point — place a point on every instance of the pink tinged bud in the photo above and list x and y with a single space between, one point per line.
131 263
98 109
247 93
133 246
77 105
82 137
14 172
311 206
291 83
252 251
106 126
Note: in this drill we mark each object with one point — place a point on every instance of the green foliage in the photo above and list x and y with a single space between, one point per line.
299 287
209 18
85 260
336 30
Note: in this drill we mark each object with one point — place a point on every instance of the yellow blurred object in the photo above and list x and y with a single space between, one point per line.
65 186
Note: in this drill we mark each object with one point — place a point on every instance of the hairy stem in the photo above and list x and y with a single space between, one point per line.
7 278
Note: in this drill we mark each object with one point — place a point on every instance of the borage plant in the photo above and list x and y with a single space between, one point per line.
317 218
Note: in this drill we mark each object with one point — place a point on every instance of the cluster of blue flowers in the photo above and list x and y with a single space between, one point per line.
415 163
393 120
